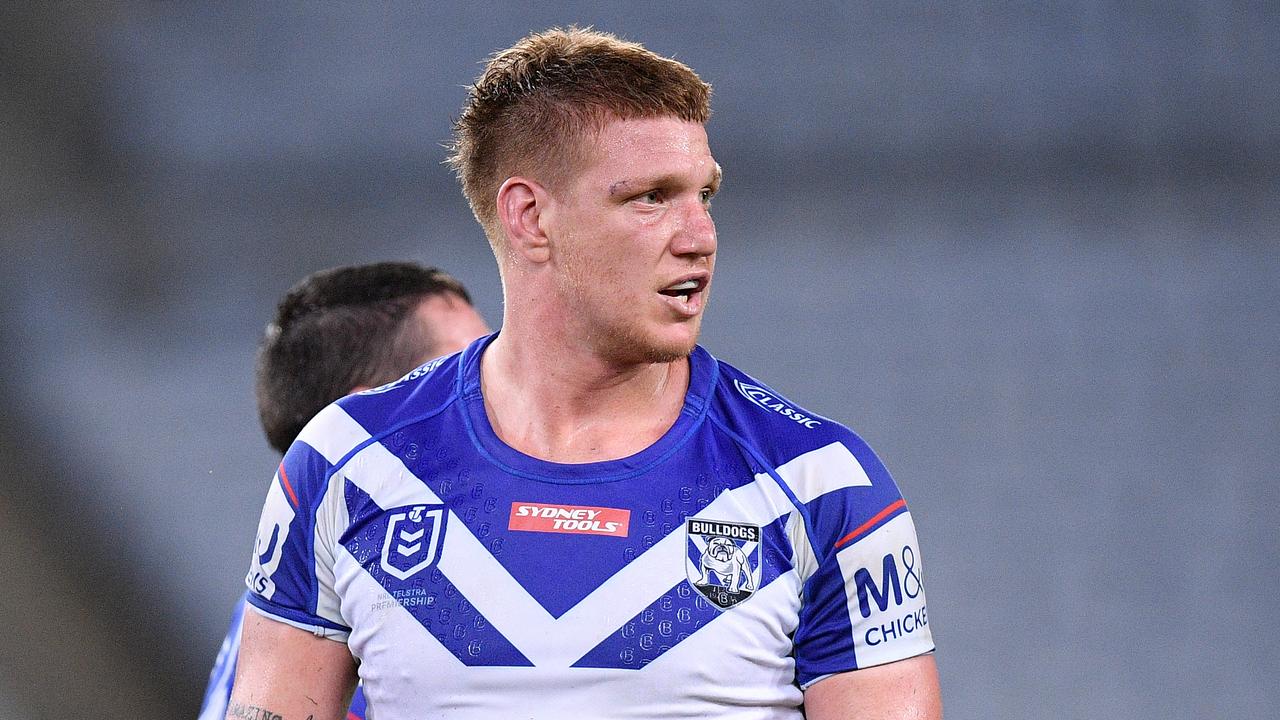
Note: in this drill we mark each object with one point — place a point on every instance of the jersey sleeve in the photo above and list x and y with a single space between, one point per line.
291 571
864 603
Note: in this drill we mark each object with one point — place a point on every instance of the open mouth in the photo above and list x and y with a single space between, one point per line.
685 289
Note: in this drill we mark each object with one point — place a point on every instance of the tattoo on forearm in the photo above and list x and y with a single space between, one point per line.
252 712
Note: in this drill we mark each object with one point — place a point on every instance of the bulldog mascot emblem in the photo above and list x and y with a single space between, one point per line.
723 561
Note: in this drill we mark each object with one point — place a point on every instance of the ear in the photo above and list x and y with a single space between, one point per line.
523 205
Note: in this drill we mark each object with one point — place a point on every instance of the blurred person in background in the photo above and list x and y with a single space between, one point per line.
336 332
586 515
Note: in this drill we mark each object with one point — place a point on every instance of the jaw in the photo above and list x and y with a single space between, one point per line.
640 340
673 340
624 328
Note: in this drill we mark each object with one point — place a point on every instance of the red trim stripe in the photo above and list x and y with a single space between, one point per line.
864 527
353 716
284 480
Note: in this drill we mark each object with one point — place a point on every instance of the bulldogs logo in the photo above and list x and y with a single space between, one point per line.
412 541
723 562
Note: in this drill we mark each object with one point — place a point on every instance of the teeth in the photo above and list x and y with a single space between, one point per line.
686 285
684 298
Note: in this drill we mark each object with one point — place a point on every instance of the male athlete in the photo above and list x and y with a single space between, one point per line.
523 529
337 331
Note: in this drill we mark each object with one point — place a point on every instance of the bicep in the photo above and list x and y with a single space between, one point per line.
903 690
285 673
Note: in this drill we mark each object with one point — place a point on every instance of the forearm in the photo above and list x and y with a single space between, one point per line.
254 712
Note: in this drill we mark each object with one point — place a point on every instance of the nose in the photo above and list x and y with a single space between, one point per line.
695 234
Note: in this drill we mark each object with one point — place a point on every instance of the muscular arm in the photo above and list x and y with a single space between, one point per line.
285 673
903 690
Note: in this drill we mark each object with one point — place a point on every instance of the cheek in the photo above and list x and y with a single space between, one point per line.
616 271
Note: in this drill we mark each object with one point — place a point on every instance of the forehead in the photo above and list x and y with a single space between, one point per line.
637 148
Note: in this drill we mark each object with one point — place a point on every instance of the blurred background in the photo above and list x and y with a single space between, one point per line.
1030 254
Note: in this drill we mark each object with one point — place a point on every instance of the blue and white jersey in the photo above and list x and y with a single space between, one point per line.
223 675
752 550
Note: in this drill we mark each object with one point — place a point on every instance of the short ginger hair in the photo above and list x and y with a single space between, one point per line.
535 101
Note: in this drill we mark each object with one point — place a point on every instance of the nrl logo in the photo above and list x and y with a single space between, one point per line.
723 560
412 542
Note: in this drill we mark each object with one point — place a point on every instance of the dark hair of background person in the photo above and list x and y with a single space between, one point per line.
339 329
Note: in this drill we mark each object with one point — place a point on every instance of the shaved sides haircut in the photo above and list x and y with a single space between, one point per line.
529 109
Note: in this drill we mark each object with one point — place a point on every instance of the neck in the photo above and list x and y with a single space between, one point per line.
563 402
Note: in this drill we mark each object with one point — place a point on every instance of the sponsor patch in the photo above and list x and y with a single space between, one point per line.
723 560
764 398
412 542
884 586
273 532
573 519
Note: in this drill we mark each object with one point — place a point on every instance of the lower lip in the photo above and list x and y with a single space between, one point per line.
687 309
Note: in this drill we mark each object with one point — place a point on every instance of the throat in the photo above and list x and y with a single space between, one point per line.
588 441
566 419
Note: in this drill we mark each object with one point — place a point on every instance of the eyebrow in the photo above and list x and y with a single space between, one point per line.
623 186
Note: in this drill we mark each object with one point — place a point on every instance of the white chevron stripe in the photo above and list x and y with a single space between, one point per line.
559 642
333 433
386 479
821 471
397 645
487 585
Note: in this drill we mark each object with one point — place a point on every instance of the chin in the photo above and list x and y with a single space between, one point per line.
634 346
666 354
670 349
